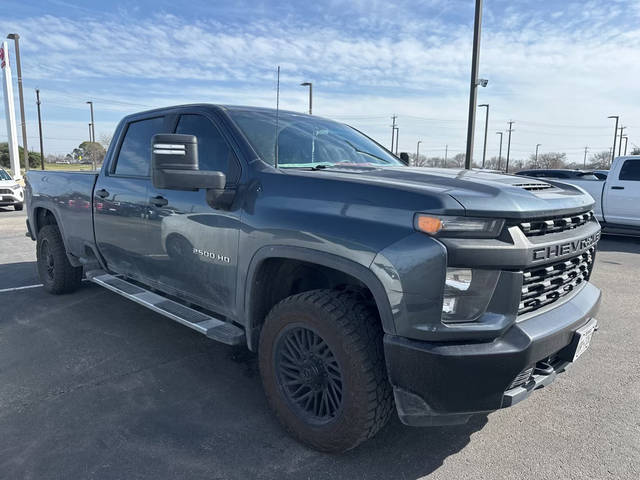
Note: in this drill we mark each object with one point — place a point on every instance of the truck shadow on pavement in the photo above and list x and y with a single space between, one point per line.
18 274
95 386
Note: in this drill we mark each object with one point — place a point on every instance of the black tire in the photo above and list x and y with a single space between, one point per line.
18 206
55 272
351 334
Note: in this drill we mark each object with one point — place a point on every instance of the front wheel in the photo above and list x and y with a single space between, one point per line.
56 273
322 366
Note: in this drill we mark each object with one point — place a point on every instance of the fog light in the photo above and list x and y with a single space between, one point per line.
467 293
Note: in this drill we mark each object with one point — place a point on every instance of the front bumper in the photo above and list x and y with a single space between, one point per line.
437 383
16 196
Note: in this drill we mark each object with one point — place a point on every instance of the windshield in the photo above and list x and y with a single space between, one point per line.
4 175
306 141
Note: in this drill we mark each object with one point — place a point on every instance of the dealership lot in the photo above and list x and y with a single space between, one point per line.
95 386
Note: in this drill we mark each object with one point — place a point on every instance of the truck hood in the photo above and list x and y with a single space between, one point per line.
480 193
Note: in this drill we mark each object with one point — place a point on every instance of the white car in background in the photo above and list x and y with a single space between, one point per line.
11 192
617 195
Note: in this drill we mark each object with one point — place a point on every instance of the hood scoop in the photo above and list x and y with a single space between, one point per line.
532 187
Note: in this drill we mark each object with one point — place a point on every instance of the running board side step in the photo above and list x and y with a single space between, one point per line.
211 327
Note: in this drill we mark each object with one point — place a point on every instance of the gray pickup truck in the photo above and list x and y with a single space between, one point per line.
363 284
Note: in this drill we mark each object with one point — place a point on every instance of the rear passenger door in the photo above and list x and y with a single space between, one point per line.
195 246
622 195
121 199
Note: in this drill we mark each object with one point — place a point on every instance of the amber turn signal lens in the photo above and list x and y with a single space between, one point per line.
429 225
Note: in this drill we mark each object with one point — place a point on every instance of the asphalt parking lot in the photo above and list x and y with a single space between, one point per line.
95 386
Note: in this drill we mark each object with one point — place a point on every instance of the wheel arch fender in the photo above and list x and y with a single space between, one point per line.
323 259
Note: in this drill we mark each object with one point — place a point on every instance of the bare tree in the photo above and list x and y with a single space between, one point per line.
105 140
548 160
599 160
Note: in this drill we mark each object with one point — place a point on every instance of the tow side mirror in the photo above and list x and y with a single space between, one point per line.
404 156
174 164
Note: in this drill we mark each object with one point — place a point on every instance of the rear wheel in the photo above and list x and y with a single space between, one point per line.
322 367
56 273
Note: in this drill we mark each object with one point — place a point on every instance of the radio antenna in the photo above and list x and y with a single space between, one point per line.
277 115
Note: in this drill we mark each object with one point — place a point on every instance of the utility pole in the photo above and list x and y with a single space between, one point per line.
393 131
621 135
417 153
486 125
615 136
511 122
310 85
446 151
500 152
537 146
586 149
473 93
397 139
40 129
626 140
25 152
92 136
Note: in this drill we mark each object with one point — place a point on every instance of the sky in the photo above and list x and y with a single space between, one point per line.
558 69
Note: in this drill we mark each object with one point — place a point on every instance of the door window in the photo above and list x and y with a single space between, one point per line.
630 170
135 153
214 154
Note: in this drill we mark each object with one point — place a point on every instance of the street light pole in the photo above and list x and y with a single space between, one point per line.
621 135
537 146
615 136
511 122
397 139
40 130
25 152
417 153
626 141
310 85
500 151
473 93
446 152
486 126
92 135
393 131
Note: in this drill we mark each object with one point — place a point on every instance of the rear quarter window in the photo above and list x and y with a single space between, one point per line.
630 170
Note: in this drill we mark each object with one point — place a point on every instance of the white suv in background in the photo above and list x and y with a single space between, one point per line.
11 193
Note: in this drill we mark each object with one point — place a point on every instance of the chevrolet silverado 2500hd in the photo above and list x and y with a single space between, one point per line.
364 285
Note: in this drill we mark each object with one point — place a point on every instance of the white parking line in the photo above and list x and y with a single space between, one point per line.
4 290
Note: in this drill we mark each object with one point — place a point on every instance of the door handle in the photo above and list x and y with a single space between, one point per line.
617 188
159 201
102 193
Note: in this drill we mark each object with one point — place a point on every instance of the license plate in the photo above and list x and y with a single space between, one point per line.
584 335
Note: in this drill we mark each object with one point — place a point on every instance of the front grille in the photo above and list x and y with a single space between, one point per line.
543 226
5 191
546 284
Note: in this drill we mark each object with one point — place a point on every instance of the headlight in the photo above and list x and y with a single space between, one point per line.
449 226
467 293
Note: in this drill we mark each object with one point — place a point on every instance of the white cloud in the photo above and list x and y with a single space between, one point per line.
572 67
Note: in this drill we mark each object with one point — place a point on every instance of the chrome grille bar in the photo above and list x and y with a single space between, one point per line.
544 285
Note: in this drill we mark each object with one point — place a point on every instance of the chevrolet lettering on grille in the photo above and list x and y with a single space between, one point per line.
567 248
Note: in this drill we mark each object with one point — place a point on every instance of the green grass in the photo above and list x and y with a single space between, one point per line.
67 167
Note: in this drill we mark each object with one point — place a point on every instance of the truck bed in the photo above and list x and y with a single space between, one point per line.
69 196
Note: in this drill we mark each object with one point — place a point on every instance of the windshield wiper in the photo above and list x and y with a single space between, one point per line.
365 153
